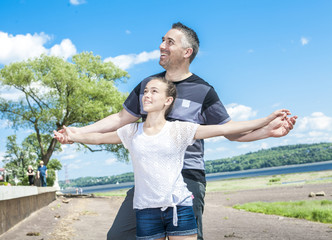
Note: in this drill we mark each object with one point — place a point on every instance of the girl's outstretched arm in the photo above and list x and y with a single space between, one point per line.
207 131
89 138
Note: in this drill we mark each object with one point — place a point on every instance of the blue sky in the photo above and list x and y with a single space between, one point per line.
259 55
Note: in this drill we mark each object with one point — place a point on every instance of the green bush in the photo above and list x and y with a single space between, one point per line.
274 180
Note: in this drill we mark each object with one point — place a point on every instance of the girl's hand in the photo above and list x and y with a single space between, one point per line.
279 113
280 126
64 135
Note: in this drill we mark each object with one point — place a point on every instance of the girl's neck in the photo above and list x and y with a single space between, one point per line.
154 123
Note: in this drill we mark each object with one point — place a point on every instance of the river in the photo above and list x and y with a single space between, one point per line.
309 167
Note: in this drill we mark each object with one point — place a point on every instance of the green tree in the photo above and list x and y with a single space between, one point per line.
19 156
16 159
56 93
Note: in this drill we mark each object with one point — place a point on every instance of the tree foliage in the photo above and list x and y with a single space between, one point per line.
94 181
53 92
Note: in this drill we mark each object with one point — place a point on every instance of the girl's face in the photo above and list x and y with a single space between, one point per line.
154 98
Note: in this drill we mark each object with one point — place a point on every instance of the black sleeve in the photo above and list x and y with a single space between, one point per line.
132 103
213 111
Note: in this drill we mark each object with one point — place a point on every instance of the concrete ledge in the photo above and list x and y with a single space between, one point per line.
17 203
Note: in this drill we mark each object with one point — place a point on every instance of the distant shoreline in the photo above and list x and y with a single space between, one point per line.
295 168
308 167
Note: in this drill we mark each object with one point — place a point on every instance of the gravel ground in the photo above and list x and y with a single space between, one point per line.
90 218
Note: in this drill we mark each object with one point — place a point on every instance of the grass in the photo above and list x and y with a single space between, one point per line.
120 193
314 210
269 181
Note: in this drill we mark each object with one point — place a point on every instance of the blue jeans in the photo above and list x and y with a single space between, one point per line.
124 225
153 223
43 181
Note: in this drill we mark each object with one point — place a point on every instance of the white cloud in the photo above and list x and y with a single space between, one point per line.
128 32
69 151
127 61
69 156
314 128
250 51
65 49
215 139
240 112
72 166
276 105
215 150
317 121
264 145
76 2
304 41
315 134
245 145
110 161
2 154
22 47
77 160
12 94
5 124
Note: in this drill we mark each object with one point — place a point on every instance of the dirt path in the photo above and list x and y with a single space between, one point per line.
90 218
221 221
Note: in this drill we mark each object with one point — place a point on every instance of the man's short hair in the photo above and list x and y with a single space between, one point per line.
190 41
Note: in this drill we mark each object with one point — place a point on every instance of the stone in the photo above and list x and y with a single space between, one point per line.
320 194
312 194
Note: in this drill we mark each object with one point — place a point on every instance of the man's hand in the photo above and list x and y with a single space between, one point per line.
280 126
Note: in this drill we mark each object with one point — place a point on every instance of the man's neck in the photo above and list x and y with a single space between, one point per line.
177 76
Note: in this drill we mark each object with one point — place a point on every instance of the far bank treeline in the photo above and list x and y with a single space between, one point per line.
273 157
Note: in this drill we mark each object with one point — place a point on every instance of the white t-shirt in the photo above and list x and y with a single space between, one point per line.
157 163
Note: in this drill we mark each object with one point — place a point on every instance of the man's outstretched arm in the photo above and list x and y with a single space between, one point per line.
279 127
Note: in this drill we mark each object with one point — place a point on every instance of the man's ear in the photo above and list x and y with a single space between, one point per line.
188 52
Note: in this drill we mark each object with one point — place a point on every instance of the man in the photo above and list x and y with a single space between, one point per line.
42 173
196 102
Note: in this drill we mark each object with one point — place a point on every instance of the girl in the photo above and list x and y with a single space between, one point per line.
162 201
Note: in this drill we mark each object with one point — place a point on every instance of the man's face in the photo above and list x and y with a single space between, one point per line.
171 50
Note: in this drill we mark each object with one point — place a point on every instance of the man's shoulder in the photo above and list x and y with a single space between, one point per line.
195 79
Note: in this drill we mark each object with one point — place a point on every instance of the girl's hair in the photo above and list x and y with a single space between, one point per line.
170 92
